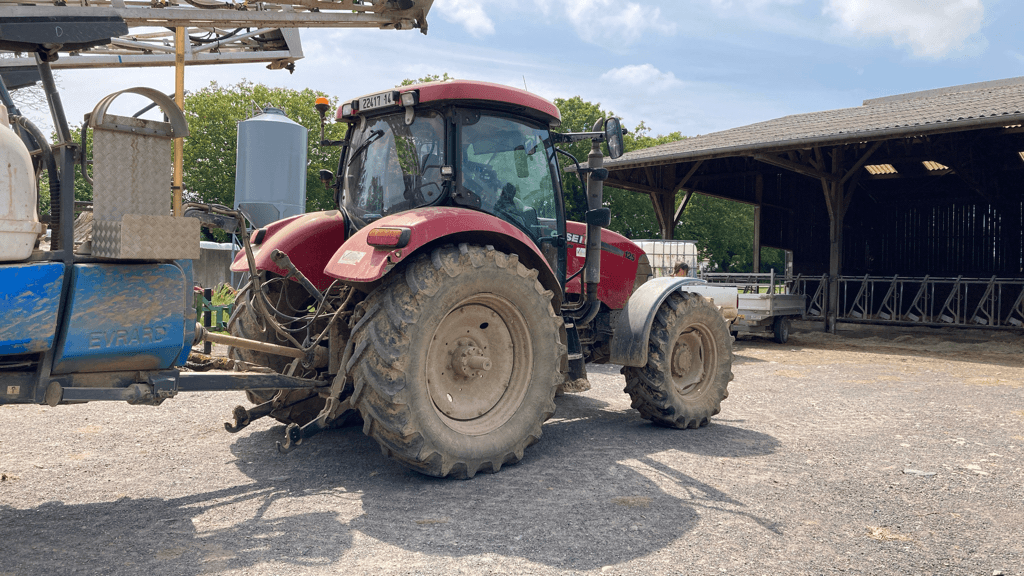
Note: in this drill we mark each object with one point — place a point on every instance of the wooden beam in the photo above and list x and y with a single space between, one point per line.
689 174
632 186
792 166
682 206
863 160
641 189
650 176
758 196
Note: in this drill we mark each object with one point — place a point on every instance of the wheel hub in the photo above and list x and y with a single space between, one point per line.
689 361
471 361
468 360
681 359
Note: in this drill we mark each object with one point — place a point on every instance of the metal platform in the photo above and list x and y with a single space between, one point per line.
217 32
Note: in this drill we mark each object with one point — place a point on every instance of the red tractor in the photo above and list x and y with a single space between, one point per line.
447 301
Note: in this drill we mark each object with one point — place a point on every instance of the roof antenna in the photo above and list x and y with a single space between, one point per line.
524 83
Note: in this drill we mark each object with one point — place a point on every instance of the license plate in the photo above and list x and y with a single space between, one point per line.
377 101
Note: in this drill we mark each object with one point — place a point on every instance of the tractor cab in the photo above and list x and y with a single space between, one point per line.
465 144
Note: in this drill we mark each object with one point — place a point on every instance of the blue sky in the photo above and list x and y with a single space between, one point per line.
693 66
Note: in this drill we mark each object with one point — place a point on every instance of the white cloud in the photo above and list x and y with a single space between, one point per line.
752 5
643 77
612 22
930 28
469 13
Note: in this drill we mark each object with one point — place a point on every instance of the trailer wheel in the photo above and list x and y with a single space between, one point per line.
456 359
780 327
300 406
689 365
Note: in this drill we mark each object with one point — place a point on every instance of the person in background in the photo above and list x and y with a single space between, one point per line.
682 269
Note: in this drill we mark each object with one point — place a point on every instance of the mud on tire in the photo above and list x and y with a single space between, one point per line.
689 364
456 360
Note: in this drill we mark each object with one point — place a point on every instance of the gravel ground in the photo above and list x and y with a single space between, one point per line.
869 453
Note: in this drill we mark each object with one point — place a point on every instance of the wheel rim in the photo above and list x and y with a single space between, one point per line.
693 360
479 364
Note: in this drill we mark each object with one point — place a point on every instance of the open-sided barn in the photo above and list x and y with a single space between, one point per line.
907 209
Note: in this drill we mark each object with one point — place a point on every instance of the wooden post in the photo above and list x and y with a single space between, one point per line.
758 196
664 207
835 200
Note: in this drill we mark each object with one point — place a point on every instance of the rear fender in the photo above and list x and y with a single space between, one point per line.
359 264
309 240
632 328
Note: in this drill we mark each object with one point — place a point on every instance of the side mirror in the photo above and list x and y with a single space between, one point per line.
613 135
326 176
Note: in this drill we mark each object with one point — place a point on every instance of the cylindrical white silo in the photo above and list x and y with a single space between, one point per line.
270 172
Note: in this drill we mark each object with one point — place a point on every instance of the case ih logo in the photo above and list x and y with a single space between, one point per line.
577 238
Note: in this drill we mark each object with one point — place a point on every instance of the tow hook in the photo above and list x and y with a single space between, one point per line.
294 435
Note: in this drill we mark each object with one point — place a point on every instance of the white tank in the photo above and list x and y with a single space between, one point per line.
19 222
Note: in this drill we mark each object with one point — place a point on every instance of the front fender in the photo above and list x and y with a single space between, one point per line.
309 240
356 262
632 328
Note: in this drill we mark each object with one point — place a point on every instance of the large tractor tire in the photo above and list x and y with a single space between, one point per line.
300 406
689 364
456 360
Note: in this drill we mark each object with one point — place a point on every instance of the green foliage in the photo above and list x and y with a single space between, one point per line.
223 295
425 79
577 116
724 232
83 190
213 114
632 213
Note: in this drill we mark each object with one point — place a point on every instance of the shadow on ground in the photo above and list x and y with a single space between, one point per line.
602 487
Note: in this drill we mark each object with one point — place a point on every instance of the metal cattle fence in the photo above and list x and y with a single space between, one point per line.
996 303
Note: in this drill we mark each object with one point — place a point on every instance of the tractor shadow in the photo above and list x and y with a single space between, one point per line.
602 487
131 536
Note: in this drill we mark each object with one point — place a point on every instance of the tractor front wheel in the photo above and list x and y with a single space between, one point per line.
456 360
689 364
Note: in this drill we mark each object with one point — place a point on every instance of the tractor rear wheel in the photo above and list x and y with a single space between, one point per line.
689 364
300 406
456 360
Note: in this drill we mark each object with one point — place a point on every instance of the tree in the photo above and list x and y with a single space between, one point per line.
213 114
577 116
425 79
632 213
29 99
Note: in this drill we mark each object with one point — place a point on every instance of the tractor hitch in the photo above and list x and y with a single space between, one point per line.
243 416
294 435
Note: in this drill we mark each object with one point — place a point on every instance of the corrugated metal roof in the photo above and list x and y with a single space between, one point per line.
987 104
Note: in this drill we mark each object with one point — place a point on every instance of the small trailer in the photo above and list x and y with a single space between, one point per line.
766 306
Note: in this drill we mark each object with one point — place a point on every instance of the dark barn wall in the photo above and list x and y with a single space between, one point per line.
936 227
